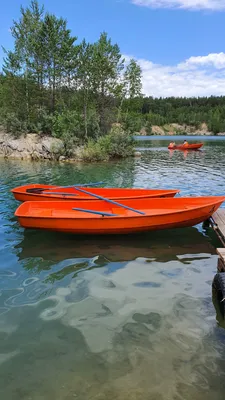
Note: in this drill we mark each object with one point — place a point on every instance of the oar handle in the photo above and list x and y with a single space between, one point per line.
109 201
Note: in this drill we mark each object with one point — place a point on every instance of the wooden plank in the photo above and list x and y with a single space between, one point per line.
221 252
221 265
221 214
219 218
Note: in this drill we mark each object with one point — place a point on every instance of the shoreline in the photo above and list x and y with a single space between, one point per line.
179 137
35 147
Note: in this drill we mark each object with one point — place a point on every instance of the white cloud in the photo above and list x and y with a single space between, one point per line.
196 76
216 60
182 4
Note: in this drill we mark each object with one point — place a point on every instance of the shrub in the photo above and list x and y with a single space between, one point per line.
93 152
69 142
117 144
66 122
93 127
45 122
13 125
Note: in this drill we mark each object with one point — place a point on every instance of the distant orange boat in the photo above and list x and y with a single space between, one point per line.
193 146
100 217
37 192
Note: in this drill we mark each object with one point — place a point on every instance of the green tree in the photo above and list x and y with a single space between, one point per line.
21 62
84 76
107 64
132 79
58 54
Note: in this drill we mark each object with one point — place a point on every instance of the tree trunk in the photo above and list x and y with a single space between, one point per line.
53 88
85 121
119 110
101 108
27 97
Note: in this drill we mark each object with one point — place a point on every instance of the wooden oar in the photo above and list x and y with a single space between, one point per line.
109 201
95 212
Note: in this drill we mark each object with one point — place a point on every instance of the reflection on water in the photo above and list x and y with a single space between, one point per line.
164 244
127 317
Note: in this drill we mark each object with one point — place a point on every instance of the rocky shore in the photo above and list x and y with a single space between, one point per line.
31 147
36 147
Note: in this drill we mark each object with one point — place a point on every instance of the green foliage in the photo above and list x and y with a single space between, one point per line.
66 122
185 111
148 128
117 144
93 127
14 125
48 73
52 85
132 122
69 141
67 126
93 151
132 79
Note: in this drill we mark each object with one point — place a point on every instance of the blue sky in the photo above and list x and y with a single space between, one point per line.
179 43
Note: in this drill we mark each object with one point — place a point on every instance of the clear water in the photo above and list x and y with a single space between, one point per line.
113 318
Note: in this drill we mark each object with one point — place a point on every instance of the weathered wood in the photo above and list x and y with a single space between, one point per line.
221 252
219 218
218 223
221 265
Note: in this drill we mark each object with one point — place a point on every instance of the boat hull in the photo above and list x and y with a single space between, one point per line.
164 215
20 193
194 146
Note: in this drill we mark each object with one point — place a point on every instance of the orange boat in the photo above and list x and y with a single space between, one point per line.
37 192
193 146
101 217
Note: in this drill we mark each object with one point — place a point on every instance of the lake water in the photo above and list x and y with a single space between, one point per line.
113 318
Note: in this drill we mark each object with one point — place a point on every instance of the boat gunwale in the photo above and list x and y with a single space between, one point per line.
117 216
164 191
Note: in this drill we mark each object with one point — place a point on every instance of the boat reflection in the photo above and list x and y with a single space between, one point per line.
162 245
185 152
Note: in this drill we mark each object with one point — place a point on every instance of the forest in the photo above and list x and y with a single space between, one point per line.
52 83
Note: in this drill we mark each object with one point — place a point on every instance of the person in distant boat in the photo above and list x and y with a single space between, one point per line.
185 143
172 144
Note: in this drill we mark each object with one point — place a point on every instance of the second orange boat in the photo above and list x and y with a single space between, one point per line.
37 192
100 217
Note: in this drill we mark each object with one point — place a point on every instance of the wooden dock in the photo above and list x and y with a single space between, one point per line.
217 221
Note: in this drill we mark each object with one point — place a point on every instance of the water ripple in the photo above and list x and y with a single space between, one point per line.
123 317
